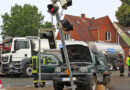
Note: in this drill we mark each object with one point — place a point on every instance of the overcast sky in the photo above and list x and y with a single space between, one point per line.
91 8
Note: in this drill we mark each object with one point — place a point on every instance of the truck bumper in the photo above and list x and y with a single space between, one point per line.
12 68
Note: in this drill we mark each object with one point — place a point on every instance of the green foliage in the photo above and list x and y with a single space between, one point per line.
23 21
48 25
123 13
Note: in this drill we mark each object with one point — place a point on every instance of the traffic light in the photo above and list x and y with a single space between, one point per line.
65 3
66 25
52 8
50 36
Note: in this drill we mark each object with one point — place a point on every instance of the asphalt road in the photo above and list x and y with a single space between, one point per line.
20 83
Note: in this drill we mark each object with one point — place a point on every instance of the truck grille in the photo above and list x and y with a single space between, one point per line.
5 67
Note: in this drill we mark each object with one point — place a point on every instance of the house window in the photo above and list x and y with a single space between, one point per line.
67 36
108 36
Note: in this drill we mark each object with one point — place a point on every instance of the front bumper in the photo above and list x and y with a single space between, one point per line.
12 68
79 78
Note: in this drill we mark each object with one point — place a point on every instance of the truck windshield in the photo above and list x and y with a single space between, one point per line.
6 47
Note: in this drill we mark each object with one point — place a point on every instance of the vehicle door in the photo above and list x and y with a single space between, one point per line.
22 50
49 67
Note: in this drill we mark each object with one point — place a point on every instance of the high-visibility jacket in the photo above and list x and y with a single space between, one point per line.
128 61
35 62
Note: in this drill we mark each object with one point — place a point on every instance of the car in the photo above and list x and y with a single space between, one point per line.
88 69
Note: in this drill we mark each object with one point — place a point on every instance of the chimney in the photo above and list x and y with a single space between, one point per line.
83 16
93 18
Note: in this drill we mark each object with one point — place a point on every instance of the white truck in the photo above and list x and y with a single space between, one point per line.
16 56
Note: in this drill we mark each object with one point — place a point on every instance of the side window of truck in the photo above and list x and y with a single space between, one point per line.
21 45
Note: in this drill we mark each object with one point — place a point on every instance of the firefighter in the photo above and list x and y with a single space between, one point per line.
128 63
35 72
46 60
121 64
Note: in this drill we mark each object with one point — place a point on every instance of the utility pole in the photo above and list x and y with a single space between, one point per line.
39 51
65 52
39 56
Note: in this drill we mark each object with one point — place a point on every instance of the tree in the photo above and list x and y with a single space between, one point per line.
48 25
123 13
23 21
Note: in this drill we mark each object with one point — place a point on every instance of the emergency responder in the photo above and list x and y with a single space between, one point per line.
46 60
106 56
35 65
128 63
121 64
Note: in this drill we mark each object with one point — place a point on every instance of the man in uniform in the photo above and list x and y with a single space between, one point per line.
128 63
121 64
35 71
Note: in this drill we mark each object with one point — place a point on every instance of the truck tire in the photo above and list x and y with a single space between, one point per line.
27 70
58 86
92 85
106 81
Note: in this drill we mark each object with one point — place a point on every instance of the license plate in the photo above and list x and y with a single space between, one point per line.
68 79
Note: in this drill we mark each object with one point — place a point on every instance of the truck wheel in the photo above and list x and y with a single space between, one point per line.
92 85
58 86
27 71
106 81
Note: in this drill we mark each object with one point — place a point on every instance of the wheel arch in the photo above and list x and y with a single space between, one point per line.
25 61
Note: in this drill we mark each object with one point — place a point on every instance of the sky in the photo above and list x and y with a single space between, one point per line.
91 8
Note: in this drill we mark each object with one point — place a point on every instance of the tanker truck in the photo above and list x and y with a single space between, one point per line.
111 51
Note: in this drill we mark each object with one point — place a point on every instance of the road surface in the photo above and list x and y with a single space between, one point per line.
20 83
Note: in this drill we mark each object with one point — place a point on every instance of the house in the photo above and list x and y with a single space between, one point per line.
90 29
123 37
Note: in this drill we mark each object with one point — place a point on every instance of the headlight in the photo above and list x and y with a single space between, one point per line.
83 70
58 69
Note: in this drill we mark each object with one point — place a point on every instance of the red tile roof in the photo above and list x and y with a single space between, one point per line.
83 25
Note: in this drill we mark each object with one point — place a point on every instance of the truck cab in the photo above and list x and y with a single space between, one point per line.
16 56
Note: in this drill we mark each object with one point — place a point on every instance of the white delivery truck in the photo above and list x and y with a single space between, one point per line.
17 55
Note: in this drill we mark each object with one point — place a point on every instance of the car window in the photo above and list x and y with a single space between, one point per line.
49 60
